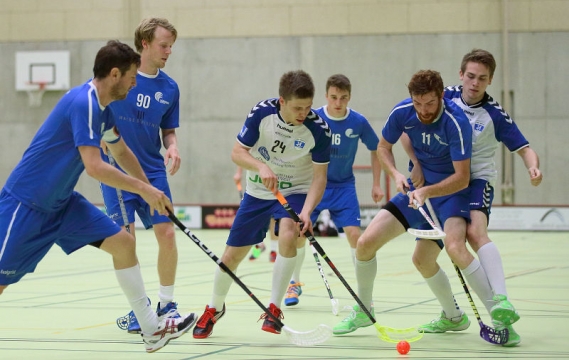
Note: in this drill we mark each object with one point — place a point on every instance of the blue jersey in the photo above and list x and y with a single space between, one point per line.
491 125
346 132
288 150
46 175
153 104
437 145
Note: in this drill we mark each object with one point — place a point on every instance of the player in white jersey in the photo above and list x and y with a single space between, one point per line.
442 139
34 217
151 110
490 126
284 146
348 128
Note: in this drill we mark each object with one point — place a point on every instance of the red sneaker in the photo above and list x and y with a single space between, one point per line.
273 256
269 325
204 327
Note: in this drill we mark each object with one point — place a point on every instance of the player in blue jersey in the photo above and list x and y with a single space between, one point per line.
490 125
33 218
284 146
150 114
340 198
441 137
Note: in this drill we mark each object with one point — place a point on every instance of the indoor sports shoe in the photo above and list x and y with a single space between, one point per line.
256 251
443 324
273 256
204 327
504 312
292 293
170 310
168 329
133 326
269 325
355 320
513 337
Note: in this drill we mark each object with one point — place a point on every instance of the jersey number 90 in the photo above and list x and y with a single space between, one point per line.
143 101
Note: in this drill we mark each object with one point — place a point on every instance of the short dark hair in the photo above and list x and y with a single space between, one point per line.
426 81
479 56
339 81
296 84
114 55
146 29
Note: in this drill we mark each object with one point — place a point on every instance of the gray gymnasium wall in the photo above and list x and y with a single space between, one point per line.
221 79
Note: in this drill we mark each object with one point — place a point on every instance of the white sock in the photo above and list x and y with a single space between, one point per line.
165 295
440 286
353 252
300 255
478 281
491 261
365 275
130 281
275 245
221 284
282 272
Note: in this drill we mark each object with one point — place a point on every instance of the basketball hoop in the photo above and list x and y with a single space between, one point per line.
35 95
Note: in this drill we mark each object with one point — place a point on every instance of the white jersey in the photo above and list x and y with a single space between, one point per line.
288 150
491 125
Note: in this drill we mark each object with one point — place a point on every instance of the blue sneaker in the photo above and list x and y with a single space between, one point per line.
133 326
130 323
170 311
292 293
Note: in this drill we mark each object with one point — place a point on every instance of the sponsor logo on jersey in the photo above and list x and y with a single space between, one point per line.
408 127
280 184
159 97
264 153
299 144
243 131
284 128
440 140
478 126
471 113
7 272
350 134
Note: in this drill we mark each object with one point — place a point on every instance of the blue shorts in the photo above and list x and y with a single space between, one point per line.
26 234
454 205
134 203
481 195
253 216
342 202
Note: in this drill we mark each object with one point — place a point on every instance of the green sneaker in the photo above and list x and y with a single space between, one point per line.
355 320
513 337
504 312
443 324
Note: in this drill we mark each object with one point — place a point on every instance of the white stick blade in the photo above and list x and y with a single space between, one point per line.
433 234
335 306
308 338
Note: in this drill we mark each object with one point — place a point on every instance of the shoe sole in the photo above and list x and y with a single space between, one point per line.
135 332
271 330
291 303
191 324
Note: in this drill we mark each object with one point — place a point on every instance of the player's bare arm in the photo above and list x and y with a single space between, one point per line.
170 142
531 161
107 174
314 194
376 191
242 157
387 162
417 177
127 160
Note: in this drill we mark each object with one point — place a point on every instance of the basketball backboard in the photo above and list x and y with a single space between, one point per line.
49 68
